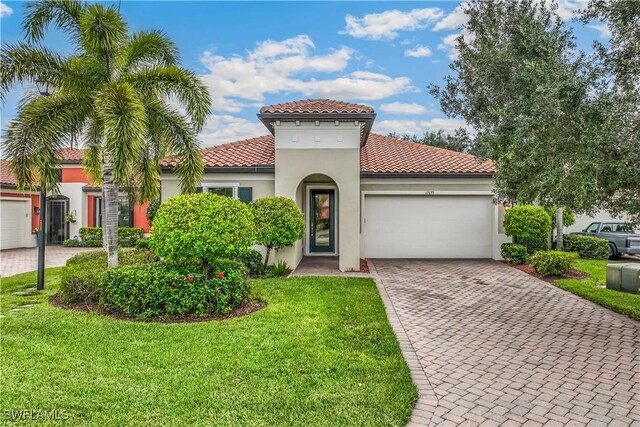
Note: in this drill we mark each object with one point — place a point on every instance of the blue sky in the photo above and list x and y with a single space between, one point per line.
383 54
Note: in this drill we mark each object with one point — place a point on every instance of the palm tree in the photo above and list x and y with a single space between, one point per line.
115 93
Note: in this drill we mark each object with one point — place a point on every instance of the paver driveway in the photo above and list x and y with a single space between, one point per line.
501 347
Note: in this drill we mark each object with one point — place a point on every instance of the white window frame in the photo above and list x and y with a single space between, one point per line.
234 185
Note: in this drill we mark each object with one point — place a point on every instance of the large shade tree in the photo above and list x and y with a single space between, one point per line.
520 83
126 96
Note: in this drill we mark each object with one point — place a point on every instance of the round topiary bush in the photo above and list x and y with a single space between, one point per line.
529 226
200 228
279 223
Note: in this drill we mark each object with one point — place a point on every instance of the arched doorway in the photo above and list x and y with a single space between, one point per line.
317 196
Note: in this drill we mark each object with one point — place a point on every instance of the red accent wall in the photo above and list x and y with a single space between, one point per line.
140 217
91 206
74 175
35 202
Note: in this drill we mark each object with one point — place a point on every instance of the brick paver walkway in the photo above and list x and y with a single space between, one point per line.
15 261
500 347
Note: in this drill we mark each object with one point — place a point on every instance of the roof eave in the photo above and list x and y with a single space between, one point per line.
230 169
369 174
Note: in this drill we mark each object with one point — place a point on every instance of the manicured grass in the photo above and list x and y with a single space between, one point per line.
621 302
322 353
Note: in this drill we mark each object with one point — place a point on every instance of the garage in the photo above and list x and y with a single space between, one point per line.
427 226
14 223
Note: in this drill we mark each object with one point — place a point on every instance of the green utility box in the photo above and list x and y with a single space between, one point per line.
630 278
614 276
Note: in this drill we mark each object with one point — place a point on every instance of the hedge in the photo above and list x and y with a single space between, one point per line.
127 236
588 247
514 253
529 226
553 263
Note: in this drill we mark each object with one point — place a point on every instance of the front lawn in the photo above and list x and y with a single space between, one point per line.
321 353
620 302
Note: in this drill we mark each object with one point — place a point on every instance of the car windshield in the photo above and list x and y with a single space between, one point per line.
617 228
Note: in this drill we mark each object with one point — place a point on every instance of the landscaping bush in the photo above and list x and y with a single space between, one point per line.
143 243
223 264
127 236
553 263
279 223
514 253
82 276
158 290
72 243
279 269
587 247
529 226
252 259
201 227
152 209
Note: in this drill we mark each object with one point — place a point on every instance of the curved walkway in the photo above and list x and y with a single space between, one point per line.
500 347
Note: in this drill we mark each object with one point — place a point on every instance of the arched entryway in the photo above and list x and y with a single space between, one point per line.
317 196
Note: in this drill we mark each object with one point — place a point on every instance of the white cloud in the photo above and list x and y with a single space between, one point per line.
387 25
418 52
418 127
224 128
449 44
603 29
403 108
5 10
291 66
452 21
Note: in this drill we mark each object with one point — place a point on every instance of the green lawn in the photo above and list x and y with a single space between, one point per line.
620 302
322 353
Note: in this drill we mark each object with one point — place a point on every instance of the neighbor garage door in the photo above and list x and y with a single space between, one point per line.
399 226
13 223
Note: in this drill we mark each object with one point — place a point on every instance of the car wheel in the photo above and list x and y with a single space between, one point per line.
613 252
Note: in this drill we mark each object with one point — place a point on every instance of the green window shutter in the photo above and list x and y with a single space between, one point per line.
198 189
245 194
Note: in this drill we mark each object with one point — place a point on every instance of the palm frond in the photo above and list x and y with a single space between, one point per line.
63 14
148 48
25 63
175 82
124 126
92 159
103 32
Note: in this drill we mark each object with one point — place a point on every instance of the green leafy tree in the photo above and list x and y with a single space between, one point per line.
279 223
520 83
112 93
459 141
202 228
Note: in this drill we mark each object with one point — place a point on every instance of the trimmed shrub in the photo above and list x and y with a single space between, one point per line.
127 236
252 259
82 276
529 226
143 243
224 265
158 290
152 209
514 253
72 243
553 263
199 228
588 247
279 223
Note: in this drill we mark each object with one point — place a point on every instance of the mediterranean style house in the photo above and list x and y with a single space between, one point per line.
363 195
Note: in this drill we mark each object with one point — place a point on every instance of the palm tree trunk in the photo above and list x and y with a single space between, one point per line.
110 214
559 228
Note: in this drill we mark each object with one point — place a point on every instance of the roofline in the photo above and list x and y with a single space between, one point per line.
8 186
70 162
365 174
367 118
228 169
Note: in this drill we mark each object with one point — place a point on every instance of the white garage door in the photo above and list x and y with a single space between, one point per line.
427 226
13 223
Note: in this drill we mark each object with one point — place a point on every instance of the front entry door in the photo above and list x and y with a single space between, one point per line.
323 225
57 212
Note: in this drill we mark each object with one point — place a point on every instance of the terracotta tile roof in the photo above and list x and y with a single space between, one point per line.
383 154
6 176
70 155
247 153
317 106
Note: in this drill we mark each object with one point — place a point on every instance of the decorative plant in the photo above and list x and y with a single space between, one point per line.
201 228
279 223
529 226
35 231
70 217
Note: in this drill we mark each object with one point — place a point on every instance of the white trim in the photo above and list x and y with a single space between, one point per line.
234 185
307 218
17 199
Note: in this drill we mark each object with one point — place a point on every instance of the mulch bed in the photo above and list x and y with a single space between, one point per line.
364 267
246 309
572 274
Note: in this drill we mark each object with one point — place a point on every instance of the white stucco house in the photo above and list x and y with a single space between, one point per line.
363 195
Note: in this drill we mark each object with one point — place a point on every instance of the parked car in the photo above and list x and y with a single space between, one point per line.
622 239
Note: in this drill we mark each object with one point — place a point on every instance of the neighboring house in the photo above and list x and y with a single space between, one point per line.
362 194
77 198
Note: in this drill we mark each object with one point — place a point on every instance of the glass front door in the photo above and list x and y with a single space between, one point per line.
322 227
57 212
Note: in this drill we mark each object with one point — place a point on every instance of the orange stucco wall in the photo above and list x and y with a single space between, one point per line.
74 175
91 206
140 216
